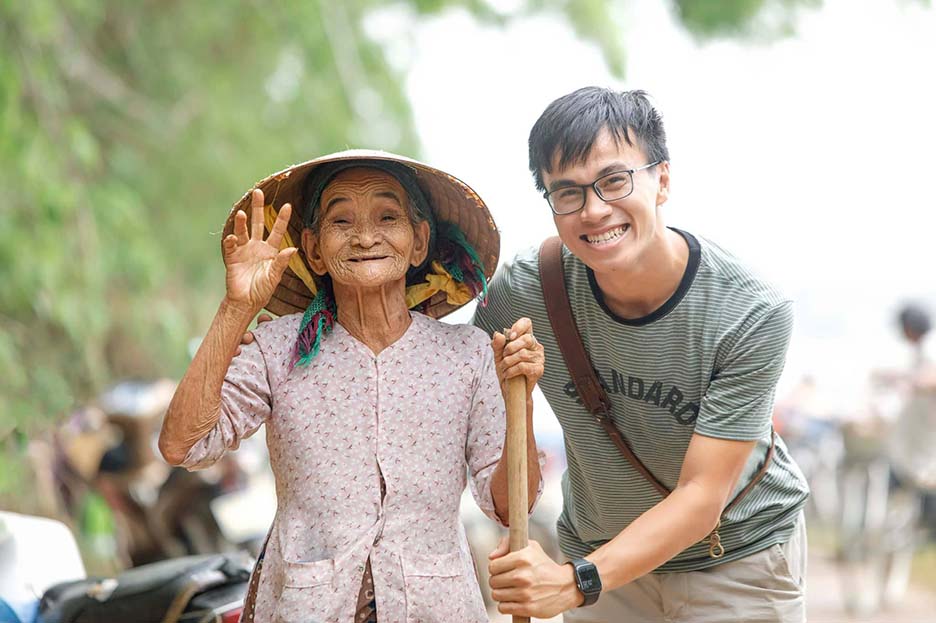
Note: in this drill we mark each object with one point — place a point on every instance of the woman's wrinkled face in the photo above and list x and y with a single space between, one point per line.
365 237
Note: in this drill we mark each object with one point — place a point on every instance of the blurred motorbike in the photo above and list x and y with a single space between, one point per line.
129 506
203 589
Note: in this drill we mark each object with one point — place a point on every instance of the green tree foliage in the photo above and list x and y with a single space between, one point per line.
744 18
128 127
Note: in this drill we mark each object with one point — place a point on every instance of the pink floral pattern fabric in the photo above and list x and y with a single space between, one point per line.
426 414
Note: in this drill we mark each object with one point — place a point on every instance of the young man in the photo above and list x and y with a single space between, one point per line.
689 345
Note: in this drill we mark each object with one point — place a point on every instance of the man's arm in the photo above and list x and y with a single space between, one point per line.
738 403
925 379
529 583
709 474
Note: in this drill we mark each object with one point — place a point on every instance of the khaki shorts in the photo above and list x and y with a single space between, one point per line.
768 586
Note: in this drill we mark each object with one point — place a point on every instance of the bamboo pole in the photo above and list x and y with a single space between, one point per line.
517 467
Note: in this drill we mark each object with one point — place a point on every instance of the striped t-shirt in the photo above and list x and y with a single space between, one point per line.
705 362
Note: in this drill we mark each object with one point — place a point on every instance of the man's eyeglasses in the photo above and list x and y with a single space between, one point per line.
610 187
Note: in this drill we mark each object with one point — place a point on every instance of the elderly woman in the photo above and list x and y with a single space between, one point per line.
376 414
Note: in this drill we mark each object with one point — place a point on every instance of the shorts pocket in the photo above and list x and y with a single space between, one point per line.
308 592
757 588
780 576
439 589
784 567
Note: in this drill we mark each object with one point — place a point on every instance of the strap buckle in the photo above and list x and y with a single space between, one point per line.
716 549
603 412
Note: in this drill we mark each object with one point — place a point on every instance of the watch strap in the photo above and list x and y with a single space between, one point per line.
586 579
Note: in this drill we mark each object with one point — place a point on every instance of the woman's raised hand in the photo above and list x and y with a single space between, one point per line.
254 265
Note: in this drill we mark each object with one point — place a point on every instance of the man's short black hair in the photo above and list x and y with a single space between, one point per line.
569 126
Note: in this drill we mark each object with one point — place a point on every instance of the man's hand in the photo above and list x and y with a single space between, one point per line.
248 337
529 583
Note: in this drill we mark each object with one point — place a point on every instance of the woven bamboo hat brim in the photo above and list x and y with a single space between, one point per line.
451 201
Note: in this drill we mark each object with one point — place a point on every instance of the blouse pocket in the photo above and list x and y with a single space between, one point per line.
437 589
308 592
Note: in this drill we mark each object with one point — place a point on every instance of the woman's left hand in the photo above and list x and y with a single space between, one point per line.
521 355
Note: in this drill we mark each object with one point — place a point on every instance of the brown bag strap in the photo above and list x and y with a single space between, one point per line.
590 391
566 331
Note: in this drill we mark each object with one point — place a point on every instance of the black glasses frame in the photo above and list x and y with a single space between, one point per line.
594 186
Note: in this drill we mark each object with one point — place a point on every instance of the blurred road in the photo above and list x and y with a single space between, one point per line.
824 601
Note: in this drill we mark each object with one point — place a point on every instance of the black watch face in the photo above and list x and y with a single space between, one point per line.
588 579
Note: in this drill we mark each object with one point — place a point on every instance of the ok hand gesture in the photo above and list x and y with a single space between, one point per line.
254 265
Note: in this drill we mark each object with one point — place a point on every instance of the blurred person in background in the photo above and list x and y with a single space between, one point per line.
376 414
912 433
916 323
689 345
888 474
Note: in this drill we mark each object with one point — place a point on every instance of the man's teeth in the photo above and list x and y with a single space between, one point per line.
609 235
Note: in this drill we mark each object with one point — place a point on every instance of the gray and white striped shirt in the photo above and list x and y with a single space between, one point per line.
705 362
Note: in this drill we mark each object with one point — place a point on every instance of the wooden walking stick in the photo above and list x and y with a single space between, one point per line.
517 465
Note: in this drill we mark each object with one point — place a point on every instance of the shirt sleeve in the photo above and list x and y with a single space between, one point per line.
495 313
738 404
246 404
487 429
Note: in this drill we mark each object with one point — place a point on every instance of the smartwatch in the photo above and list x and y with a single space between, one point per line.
587 580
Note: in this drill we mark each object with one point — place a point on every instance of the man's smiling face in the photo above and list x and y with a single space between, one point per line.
610 236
